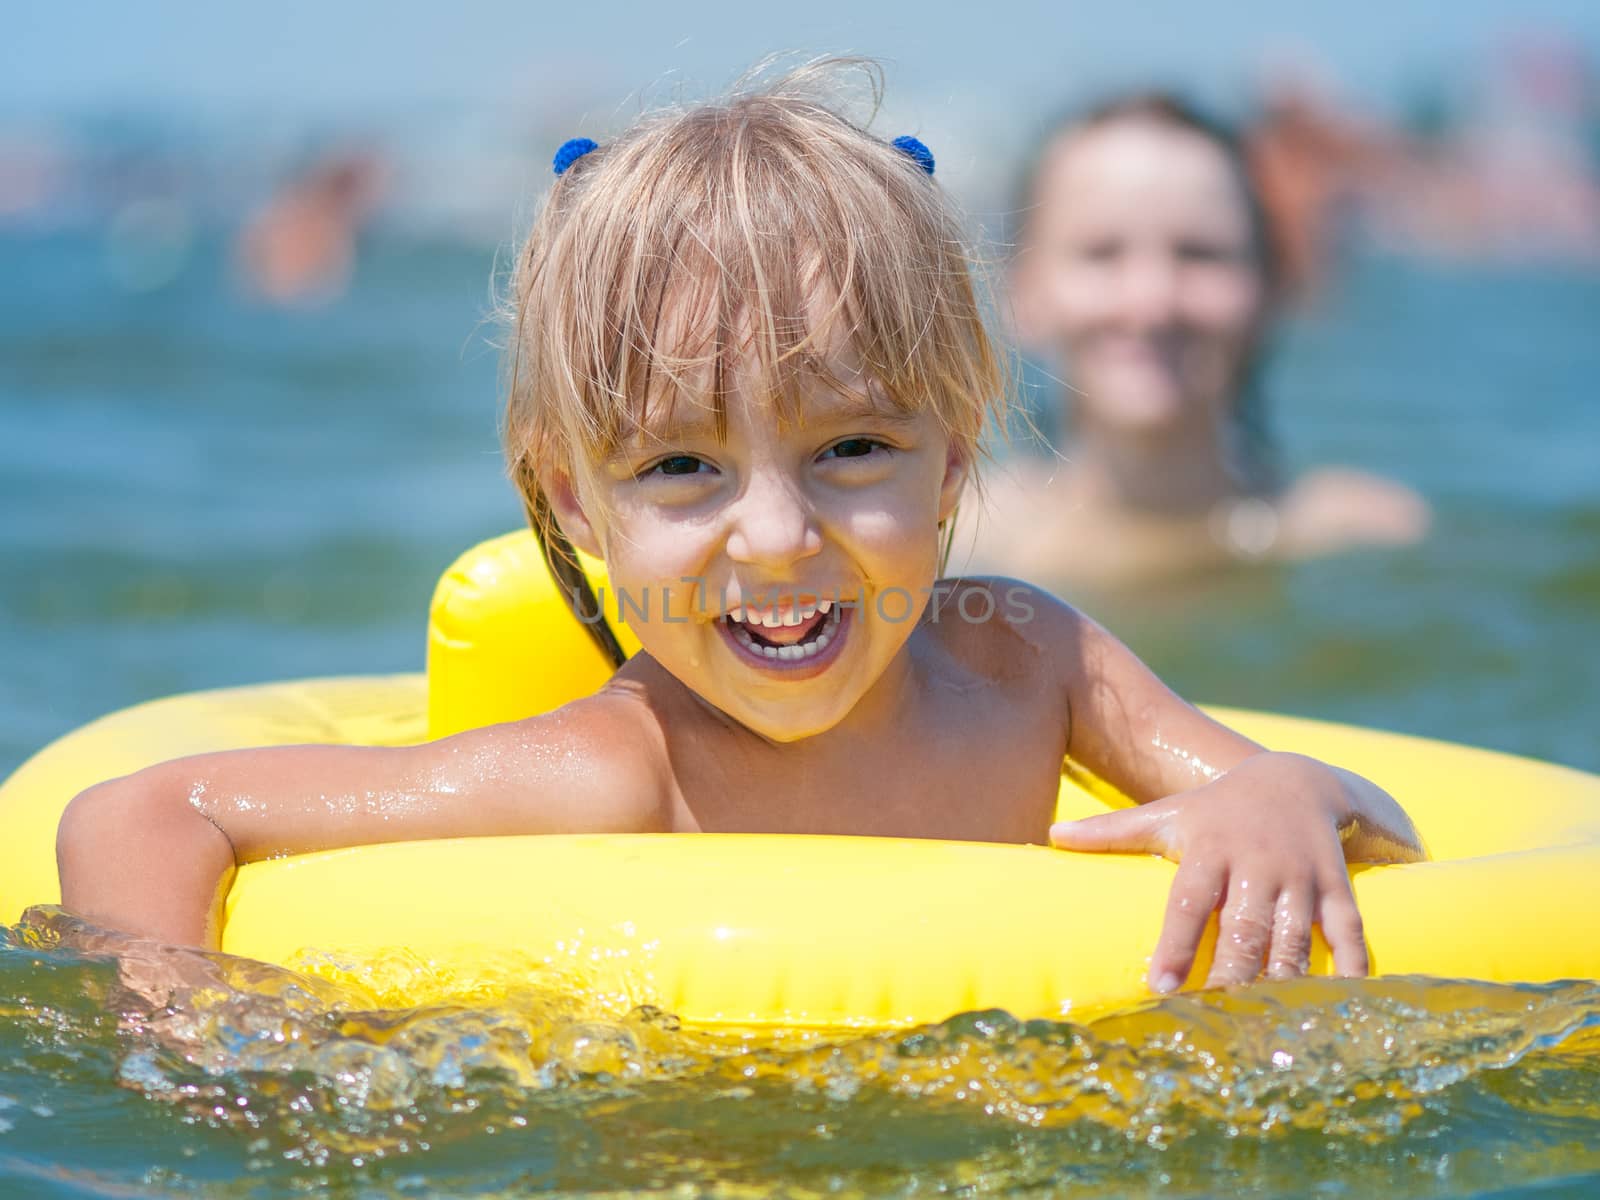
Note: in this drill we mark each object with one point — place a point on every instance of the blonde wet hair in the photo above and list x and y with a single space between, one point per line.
762 229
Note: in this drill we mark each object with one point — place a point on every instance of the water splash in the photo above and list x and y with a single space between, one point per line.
239 1079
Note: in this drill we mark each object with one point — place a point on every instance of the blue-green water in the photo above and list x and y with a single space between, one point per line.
195 492
269 1084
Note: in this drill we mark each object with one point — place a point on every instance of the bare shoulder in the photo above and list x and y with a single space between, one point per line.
596 765
1008 624
1333 508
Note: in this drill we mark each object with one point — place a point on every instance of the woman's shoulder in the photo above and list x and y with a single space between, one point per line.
1334 508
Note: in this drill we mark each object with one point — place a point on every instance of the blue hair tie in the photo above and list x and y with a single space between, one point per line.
575 148
915 151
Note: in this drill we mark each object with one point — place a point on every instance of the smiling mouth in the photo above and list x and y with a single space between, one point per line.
795 638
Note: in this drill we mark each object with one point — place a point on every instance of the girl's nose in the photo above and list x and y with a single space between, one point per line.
773 524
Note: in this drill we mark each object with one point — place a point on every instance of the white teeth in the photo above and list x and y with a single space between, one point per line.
774 618
791 653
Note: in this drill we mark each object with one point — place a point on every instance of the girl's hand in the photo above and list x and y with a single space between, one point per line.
1266 844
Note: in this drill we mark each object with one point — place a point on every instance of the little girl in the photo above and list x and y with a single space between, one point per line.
748 369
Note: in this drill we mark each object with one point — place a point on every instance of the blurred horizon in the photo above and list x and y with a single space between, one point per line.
214 106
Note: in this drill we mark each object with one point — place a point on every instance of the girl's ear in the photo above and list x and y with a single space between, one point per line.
562 492
955 479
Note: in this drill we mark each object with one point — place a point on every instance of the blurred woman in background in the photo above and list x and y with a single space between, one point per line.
1144 264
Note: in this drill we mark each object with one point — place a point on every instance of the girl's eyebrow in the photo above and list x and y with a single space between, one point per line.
835 409
864 409
660 430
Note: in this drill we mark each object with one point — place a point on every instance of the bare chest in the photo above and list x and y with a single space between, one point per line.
976 773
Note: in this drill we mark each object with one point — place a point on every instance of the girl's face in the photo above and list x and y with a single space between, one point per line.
1140 265
782 569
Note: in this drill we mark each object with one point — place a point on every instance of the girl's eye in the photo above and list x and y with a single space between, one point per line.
676 464
857 447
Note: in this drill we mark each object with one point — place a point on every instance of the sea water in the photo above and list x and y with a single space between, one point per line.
257 1081
196 491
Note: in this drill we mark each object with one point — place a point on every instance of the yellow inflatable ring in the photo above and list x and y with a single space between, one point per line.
814 932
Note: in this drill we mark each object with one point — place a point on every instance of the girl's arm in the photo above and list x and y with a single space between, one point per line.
153 853
1263 837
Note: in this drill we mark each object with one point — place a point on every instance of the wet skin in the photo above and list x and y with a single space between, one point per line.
918 718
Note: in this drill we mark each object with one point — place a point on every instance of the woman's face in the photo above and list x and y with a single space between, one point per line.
1140 263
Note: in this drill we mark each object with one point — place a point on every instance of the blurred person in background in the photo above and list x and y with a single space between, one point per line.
301 248
1315 165
1512 175
1144 264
